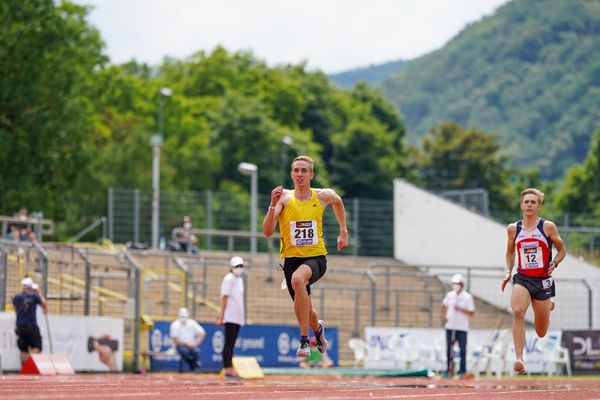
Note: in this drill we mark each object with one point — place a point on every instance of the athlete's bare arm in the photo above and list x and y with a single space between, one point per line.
510 254
552 232
329 196
279 198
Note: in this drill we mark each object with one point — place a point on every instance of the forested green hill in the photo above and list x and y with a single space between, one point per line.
530 73
373 74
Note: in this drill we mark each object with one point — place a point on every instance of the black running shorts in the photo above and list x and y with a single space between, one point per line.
539 288
317 264
28 336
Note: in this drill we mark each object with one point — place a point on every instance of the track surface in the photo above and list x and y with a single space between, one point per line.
204 386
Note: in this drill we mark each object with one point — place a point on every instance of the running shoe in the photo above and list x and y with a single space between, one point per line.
303 350
320 336
519 366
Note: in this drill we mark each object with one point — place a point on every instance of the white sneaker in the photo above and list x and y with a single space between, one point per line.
303 350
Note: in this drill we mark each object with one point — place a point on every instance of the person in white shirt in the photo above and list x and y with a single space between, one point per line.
232 311
457 308
187 334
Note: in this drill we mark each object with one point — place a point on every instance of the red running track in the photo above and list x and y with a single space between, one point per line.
204 386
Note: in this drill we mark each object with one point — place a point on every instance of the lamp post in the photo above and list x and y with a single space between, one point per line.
252 171
286 141
156 141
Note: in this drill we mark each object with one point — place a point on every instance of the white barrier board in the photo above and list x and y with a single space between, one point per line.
70 337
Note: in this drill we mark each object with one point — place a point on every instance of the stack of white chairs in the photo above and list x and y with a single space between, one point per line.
555 356
439 345
406 351
433 357
359 347
497 358
362 352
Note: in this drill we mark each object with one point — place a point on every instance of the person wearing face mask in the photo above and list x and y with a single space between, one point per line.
187 334
186 238
232 311
457 308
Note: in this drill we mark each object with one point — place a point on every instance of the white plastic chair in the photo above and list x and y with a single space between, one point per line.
434 359
405 351
499 359
439 345
360 349
555 355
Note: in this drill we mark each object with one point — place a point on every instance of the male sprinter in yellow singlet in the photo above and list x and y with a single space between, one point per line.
300 216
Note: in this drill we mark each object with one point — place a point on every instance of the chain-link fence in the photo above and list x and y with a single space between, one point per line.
370 222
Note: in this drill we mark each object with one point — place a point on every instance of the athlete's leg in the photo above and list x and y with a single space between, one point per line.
313 318
541 315
519 301
302 304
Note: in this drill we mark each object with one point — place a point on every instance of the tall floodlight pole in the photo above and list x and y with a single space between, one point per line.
286 141
156 141
252 170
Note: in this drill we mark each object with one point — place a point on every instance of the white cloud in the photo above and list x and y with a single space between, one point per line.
332 35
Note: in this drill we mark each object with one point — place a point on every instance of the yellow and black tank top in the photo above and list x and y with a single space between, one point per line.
301 227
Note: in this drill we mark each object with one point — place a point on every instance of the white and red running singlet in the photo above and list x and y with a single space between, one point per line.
534 250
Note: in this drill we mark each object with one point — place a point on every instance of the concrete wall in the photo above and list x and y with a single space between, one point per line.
432 232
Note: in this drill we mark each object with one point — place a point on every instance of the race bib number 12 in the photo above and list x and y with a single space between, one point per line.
304 233
531 256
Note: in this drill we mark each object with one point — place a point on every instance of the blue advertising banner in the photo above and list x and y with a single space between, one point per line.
272 345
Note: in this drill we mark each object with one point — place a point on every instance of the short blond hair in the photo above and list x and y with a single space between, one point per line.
309 160
538 193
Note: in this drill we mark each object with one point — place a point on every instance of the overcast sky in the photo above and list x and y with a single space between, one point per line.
331 35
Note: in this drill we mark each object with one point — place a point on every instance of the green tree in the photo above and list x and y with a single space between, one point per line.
49 56
369 153
458 158
581 191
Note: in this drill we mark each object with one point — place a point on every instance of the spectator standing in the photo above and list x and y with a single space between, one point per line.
457 309
232 311
29 339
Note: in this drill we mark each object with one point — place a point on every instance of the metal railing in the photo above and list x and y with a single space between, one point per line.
3 278
39 226
369 221
135 284
100 221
